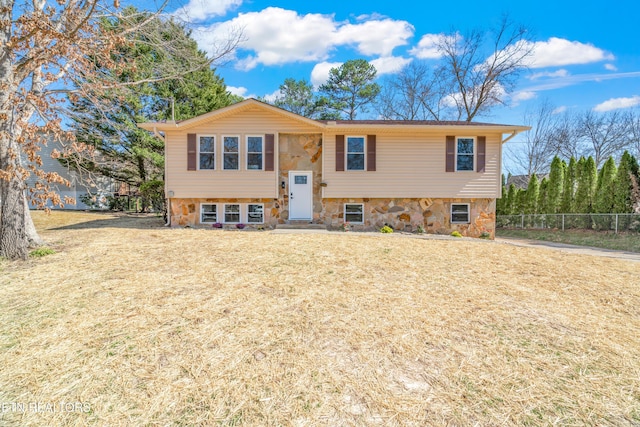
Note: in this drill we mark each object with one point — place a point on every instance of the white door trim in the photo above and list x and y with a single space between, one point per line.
302 215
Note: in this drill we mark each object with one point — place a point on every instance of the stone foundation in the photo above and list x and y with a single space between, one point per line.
186 212
433 215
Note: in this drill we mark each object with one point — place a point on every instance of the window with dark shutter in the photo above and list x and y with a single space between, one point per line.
450 163
192 152
269 148
339 152
371 153
482 150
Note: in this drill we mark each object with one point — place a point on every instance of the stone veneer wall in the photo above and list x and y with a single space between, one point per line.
434 215
300 152
402 214
187 211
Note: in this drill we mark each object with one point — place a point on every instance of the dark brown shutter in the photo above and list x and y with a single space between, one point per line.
192 152
482 150
269 151
371 152
451 154
339 152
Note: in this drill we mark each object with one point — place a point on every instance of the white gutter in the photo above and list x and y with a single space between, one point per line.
515 132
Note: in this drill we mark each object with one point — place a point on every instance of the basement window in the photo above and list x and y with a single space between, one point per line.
208 213
232 214
354 213
255 214
460 213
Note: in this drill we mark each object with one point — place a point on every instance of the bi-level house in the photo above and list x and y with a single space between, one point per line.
258 165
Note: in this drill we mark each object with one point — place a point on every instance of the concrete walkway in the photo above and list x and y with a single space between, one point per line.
573 249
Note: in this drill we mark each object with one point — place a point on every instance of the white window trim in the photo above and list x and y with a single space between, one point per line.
247 213
468 213
346 153
215 154
202 212
222 137
345 213
475 154
224 213
246 146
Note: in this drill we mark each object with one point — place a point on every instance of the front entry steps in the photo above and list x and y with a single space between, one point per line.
300 225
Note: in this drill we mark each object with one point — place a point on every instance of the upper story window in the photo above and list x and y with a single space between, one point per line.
355 153
255 149
231 152
207 152
464 154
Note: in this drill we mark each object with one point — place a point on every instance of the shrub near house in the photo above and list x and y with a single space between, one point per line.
255 164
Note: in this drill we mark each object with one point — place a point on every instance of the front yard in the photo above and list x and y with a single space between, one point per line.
131 323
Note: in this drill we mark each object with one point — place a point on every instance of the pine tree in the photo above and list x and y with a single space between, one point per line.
512 197
568 188
543 196
627 173
605 190
502 202
556 182
531 197
586 188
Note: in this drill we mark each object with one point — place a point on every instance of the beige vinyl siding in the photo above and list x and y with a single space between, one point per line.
221 183
412 165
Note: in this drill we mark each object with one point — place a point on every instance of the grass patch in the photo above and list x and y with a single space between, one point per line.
40 252
598 239
145 325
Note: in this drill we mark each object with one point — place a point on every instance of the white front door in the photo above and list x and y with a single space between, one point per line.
300 195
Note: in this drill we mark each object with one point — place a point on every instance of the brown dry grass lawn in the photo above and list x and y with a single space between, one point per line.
144 325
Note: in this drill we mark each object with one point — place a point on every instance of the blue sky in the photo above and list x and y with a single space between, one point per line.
586 53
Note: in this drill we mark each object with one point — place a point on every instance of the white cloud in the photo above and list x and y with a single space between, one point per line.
561 109
378 37
523 95
270 97
200 10
574 79
240 91
320 73
558 52
390 64
610 67
618 103
276 36
427 47
558 73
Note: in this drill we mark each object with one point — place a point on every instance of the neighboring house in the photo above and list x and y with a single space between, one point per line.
98 188
256 164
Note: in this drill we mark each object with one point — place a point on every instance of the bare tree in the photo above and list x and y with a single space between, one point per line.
480 78
535 152
634 132
564 139
49 50
413 94
604 135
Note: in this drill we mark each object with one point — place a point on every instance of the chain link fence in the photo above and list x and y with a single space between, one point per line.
599 222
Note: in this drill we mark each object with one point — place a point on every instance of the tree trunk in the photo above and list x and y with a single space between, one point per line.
16 228
13 236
